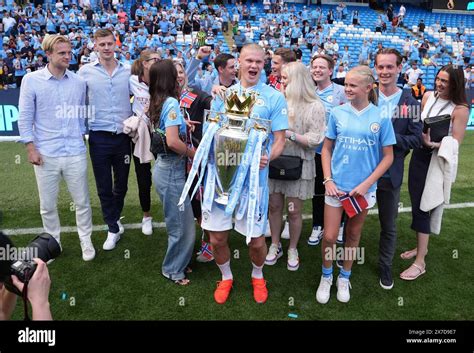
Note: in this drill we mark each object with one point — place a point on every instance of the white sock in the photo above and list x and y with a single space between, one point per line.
257 271
225 270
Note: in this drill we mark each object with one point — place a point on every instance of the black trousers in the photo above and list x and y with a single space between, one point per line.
387 201
143 173
319 191
110 153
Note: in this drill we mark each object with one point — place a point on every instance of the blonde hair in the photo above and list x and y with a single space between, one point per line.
299 92
300 87
252 46
137 66
51 40
365 72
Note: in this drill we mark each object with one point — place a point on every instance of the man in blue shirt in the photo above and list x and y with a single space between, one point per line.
404 112
110 149
270 105
52 126
332 95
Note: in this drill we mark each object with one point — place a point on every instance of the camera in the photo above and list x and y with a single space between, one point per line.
19 261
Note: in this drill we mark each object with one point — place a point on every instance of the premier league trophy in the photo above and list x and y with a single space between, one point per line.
230 142
229 155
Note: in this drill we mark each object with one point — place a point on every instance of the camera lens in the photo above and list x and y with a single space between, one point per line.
45 247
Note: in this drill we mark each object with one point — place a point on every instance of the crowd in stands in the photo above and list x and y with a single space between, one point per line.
172 28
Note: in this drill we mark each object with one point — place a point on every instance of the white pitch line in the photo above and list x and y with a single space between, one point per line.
161 225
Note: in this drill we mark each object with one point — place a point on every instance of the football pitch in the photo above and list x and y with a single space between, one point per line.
126 283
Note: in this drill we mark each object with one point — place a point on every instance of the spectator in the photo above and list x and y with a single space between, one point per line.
57 150
412 74
298 52
332 95
395 104
281 57
418 90
421 26
170 168
307 122
110 149
341 72
344 121
449 97
239 40
401 14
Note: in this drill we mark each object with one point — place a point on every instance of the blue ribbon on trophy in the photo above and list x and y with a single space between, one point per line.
229 154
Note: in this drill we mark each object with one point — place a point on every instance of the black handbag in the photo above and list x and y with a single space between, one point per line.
286 168
438 125
158 143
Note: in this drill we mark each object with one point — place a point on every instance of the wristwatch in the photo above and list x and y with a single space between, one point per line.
292 137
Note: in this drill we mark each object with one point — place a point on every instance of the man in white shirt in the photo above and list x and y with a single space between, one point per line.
8 23
413 74
401 14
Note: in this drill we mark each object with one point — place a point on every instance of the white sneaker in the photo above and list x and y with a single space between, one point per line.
121 228
268 233
88 251
293 260
274 253
147 226
343 285
324 290
112 240
316 236
286 231
340 237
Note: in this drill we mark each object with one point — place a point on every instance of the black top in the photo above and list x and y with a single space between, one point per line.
196 113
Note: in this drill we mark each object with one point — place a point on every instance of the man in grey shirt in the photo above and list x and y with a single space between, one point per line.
110 149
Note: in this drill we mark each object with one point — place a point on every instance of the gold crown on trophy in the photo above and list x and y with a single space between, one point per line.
240 104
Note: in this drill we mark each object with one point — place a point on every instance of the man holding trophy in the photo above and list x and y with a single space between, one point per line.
235 156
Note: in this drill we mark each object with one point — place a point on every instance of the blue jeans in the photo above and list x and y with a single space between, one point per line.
169 178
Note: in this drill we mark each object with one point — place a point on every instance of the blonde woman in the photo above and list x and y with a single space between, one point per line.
306 117
357 151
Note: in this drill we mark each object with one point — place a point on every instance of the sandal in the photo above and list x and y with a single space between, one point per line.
419 271
181 282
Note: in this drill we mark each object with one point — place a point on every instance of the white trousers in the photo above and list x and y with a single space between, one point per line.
48 176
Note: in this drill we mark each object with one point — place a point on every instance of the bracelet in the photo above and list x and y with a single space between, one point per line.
327 180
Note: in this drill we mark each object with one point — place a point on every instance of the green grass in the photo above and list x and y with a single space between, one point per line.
126 284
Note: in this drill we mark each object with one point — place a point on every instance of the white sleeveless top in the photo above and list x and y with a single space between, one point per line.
435 106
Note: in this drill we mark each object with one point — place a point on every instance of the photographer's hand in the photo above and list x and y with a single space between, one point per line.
7 303
38 291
